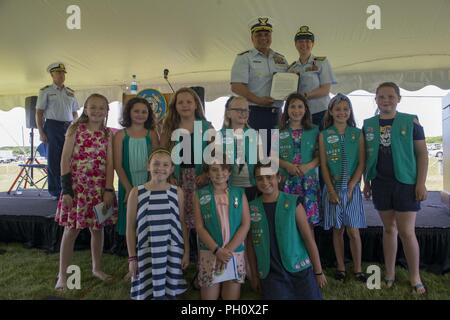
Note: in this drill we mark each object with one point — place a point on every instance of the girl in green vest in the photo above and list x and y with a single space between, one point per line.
396 171
299 156
132 147
238 140
341 147
185 112
283 255
222 221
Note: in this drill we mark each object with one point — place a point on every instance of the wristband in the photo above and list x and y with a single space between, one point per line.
215 250
66 184
133 258
319 274
109 190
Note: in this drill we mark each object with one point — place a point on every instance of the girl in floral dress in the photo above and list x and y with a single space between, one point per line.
298 155
87 175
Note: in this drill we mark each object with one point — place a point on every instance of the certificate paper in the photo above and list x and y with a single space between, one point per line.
283 84
229 273
101 214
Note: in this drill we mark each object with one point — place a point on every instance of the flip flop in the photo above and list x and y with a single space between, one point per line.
389 283
417 287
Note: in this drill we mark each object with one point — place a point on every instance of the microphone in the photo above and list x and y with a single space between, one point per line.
166 77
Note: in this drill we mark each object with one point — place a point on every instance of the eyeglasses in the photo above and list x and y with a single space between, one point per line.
241 111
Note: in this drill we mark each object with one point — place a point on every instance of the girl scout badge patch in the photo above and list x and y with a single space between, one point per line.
205 199
236 202
403 131
369 135
284 135
255 216
333 139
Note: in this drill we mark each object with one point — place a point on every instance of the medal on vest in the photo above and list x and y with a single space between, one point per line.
286 204
236 202
403 131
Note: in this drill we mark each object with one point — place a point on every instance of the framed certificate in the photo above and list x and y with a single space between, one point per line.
283 84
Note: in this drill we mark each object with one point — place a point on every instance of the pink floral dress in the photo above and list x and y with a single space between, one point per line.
88 167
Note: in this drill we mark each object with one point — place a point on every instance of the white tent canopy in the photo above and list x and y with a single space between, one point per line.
197 40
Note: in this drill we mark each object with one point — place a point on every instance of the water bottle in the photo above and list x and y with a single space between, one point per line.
133 86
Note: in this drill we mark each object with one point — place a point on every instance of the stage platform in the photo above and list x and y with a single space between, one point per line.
29 219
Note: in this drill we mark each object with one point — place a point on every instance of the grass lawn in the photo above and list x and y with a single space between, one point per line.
30 274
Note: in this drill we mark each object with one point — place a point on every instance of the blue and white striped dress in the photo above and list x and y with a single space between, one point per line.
346 213
159 246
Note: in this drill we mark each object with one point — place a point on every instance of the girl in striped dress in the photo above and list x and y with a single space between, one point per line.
156 234
342 160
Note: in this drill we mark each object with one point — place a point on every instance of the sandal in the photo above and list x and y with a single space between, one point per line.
361 276
418 287
389 283
340 275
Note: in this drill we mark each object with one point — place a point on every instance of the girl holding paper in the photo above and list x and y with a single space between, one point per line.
222 221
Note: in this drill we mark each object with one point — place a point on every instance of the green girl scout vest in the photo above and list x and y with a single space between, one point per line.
402 145
331 140
294 255
198 136
308 147
229 144
210 218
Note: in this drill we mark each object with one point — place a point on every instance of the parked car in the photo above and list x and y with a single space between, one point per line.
438 153
7 159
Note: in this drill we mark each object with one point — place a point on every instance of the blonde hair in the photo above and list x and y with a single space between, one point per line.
85 119
227 120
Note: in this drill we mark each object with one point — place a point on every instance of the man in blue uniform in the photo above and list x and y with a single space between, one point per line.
57 106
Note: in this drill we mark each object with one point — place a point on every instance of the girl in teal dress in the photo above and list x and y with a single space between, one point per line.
132 147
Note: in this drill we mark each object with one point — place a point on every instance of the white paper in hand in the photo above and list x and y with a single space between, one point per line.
283 84
101 214
229 273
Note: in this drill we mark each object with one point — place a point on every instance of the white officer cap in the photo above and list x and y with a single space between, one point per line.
261 24
57 66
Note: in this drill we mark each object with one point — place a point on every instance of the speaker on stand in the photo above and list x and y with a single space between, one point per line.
25 175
